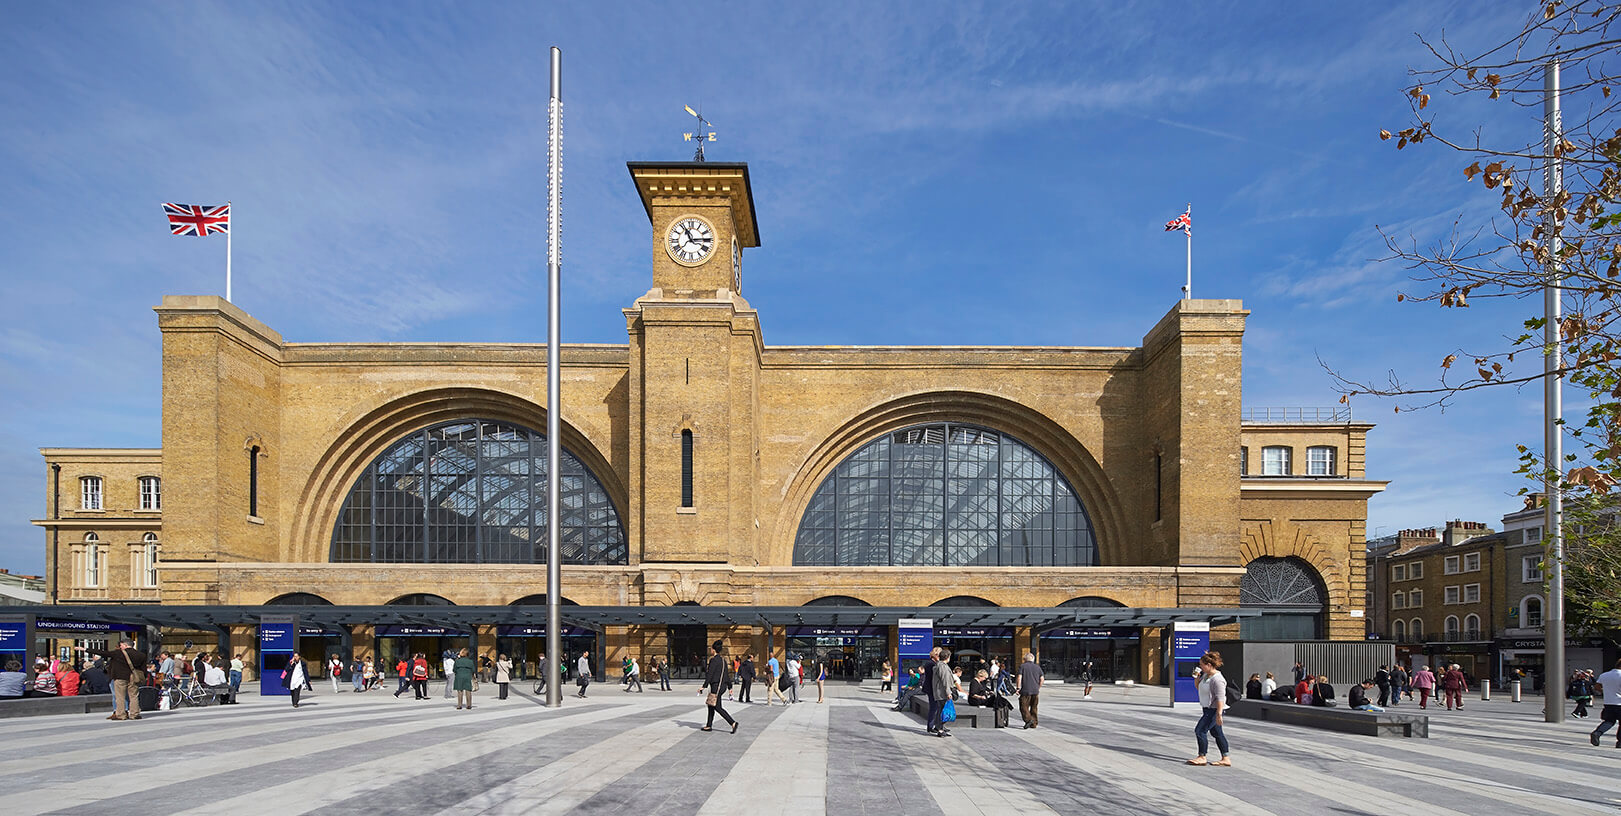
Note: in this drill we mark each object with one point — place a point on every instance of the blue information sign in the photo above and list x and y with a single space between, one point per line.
13 636
916 637
1189 642
278 639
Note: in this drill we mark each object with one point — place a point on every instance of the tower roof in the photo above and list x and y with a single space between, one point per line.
700 180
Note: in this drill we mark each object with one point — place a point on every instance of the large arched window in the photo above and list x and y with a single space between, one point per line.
945 495
298 599
473 492
836 600
1090 602
1289 594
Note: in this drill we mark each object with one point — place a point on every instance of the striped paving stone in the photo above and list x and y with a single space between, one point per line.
615 754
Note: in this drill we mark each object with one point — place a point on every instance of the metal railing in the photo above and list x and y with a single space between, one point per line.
1324 416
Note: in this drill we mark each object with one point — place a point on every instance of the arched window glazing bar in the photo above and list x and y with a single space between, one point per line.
473 492
945 495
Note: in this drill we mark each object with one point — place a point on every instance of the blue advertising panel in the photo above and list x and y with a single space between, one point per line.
1189 642
278 639
13 636
916 637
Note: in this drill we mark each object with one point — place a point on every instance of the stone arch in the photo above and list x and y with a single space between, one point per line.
1277 539
836 600
1033 428
965 600
298 599
540 600
1091 602
365 438
421 599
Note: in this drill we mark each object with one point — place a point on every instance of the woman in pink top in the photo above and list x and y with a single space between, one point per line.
1424 681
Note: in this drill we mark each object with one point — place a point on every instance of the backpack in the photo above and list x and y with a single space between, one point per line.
1233 696
784 682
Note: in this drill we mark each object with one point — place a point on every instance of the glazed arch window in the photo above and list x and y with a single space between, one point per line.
1275 460
1320 460
473 491
1471 626
945 494
151 493
1415 629
92 560
1452 627
253 481
1398 630
149 565
1531 611
90 493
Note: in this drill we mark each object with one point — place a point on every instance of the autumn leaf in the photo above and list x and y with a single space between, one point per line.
1450 359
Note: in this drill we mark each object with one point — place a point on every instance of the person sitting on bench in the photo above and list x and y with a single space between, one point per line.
1322 694
1359 697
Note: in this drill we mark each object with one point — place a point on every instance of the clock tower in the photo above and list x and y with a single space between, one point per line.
695 349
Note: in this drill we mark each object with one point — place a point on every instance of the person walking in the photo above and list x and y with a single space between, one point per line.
633 676
1454 684
540 674
1610 683
503 675
1424 681
296 677
1399 684
716 681
419 676
926 678
886 678
745 678
821 679
334 667
1580 691
942 685
1029 688
583 673
1212 698
462 668
403 670
777 679
127 667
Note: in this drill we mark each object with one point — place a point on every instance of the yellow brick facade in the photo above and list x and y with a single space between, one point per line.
1148 436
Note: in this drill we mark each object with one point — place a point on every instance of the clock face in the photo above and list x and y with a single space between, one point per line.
690 240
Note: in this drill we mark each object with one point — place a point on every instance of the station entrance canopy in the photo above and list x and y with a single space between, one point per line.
1039 619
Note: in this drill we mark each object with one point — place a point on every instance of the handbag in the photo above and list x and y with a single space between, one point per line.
136 676
713 699
948 712
783 683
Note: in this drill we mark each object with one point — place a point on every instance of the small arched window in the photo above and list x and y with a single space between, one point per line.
1275 460
1452 626
1531 611
149 557
92 560
1398 630
1415 629
1471 626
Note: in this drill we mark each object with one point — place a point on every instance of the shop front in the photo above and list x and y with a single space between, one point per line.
974 648
406 640
1108 655
525 643
850 652
1473 659
1524 658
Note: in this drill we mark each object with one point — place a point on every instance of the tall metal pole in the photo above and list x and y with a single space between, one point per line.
1553 628
554 314
1187 291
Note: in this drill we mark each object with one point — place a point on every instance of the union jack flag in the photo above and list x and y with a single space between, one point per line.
1183 222
198 219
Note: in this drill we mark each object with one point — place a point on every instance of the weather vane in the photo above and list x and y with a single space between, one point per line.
700 136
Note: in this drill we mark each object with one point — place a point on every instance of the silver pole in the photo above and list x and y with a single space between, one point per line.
1553 629
554 313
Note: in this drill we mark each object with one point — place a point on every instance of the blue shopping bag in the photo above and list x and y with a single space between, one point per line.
949 712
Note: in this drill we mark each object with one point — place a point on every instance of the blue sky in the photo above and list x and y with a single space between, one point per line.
924 174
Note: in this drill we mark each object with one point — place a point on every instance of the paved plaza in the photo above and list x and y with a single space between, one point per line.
618 753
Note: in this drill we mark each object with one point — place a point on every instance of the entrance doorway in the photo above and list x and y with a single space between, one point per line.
689 649
850 653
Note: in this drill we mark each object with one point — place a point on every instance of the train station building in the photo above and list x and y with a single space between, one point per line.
704 467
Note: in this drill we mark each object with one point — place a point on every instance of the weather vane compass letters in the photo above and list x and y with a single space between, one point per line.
701 136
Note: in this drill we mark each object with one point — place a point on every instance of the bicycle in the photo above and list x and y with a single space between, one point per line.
191 695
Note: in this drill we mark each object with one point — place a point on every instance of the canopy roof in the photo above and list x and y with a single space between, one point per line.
463 618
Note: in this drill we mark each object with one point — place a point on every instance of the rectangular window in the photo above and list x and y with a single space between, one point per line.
1415 599
1275 461
92 565
90 493
1450 565
1243 461
1533 535
686 468
1415 571
1471 562
151 565
1533 614
1450 595
1398 600
151 493
1531 569
253 481
1320 461
1471 593
1398 572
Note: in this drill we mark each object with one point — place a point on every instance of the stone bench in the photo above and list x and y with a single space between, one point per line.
966 714
40 706
1370 723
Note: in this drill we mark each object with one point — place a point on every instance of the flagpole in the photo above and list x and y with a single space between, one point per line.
1187 291
554 316
227 255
